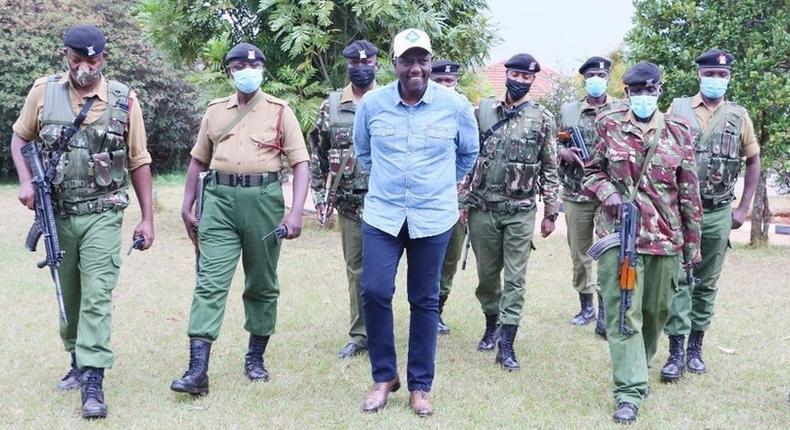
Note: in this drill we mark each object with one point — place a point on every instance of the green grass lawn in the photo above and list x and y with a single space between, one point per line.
565 381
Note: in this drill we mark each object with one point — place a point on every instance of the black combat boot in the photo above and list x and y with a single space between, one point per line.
600 323
72 379
195 379
253 361
490 336
442 327
694 352
92 395
626 413
676 363
587 311
506 356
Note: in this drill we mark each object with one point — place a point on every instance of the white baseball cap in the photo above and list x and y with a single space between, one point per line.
410 38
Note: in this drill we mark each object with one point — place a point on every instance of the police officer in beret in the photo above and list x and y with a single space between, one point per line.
580 208
240 143
518 161
89 196
723 136
643 157
446 73
336 175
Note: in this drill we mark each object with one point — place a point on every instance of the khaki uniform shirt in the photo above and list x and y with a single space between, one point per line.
749 145
254 144
28 125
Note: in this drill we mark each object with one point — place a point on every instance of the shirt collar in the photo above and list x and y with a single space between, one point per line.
99 91
502 99
348 93
586 105
697 101
427 96
233 101
644 127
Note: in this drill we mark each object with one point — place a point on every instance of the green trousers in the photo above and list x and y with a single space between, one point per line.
692 307
232 223
455 250
88 274
580 221
351 239
501 241
655 283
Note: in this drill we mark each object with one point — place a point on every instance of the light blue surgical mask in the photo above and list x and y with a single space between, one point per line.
248 80
595 86
713 88
644 106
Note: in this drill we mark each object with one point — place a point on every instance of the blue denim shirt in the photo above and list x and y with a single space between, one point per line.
415 156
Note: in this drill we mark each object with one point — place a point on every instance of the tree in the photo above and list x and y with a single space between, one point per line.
32 46
303 39
673 33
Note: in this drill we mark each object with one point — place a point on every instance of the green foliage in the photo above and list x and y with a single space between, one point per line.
564 89
673 33
32 46
303 39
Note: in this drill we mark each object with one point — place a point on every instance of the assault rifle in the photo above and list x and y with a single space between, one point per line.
329 198
574 136
467 245
203 178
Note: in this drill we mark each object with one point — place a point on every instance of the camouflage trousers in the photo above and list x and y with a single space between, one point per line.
692 307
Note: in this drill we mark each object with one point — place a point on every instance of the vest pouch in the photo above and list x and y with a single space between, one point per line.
722 174
336 156
118 169
340 137
117 123
57 178
515 149
519 179
50 135
101 169
478 176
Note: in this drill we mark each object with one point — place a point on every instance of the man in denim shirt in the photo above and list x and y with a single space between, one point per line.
417 139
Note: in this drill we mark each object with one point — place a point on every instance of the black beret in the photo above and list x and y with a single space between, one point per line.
360 49
445 66
86 40
246 52
523 63
715 58
595 63
644 74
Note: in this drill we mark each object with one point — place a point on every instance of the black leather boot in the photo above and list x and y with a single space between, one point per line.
253 361
506 356
694 352
625 413
442 328
587 311
195 379
92 394
72 379
676 363
490 336
600 323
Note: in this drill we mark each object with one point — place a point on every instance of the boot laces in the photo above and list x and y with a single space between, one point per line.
195 361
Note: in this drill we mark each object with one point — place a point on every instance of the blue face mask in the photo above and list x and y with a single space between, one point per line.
713 88
644 106
248 80
595 86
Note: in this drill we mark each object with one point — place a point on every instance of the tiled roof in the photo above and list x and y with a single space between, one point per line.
495 74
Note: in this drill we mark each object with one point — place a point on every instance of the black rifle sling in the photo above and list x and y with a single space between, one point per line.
512 113
65 137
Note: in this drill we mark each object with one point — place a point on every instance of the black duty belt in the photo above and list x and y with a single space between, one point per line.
510 206
711 204
234 180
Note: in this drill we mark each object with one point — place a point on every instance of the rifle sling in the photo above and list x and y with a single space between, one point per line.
490 132
648 157
339 174
242 113
713 125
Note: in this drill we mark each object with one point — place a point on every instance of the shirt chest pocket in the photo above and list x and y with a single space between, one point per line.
439 140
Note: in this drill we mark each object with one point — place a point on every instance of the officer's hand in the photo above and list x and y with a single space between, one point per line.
463 216
191 224
294 223
146 230
738 217
571 155
330 219
613 204
27 195
546 227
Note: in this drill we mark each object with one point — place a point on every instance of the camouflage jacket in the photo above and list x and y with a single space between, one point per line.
578 114
517 162
668 197
331 144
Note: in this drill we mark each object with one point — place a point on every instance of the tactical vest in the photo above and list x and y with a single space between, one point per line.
719 156
92 175
508 164
354 181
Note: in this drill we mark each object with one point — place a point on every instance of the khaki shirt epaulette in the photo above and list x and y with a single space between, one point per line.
219 100
272 99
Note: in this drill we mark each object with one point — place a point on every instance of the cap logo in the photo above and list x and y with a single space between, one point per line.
649 82
412 36
91 50
448 69
600 65
362 54
250 54
532 66
722 59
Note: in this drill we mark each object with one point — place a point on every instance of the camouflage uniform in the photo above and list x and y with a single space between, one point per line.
331 144
670 215
515 164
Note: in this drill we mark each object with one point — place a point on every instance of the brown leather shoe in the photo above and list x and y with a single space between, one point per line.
418 400
376 398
